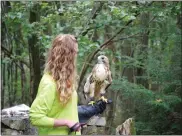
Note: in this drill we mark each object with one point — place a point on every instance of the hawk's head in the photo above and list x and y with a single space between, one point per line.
102 59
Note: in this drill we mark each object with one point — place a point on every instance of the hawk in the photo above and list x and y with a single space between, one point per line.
98 80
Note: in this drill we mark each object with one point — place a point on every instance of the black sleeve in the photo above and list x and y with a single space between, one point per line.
85 112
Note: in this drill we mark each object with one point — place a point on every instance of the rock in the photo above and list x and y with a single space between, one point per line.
29 129
95 126
97 121
14 124
6 131
15 121
19 111
93 130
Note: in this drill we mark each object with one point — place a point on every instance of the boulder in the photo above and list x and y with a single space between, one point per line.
15 121
11 132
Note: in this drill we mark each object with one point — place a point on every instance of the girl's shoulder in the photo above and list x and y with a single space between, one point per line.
47 84
47 78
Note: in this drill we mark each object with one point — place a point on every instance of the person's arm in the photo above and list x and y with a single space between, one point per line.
42 105
63 122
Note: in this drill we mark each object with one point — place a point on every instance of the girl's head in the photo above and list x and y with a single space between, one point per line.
61 64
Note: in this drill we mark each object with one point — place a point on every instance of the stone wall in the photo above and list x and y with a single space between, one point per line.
15 121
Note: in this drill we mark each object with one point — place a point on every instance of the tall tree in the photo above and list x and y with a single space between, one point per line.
34 53
143 49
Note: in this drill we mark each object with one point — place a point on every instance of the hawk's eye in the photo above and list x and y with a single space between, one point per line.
76 38
102 58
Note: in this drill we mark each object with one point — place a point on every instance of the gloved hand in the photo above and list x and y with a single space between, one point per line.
100 106
85 112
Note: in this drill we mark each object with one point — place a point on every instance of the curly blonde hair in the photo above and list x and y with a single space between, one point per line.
61 63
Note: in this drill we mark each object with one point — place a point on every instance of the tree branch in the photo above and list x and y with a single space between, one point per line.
93 17
134 35
123 38
152 19
91 56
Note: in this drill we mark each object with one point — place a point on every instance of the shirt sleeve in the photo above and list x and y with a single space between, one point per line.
42 105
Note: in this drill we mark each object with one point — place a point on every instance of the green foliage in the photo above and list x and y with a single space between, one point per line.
133 128
152 110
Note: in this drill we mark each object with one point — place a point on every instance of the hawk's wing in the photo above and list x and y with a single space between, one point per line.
87 86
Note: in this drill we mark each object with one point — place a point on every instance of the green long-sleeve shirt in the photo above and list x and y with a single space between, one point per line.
46 107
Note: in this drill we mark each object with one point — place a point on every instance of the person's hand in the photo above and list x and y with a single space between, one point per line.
101 105
73 125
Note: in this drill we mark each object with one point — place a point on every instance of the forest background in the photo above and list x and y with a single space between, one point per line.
141 39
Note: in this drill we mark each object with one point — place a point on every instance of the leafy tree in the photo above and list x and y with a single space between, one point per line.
141 39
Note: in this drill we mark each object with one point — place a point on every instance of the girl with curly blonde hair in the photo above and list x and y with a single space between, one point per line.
54 110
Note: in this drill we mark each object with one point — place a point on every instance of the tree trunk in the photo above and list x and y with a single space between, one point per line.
34 54
23 80
143 49
15 81
12 83
5 6
3 85
127 72
127 128
9 85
